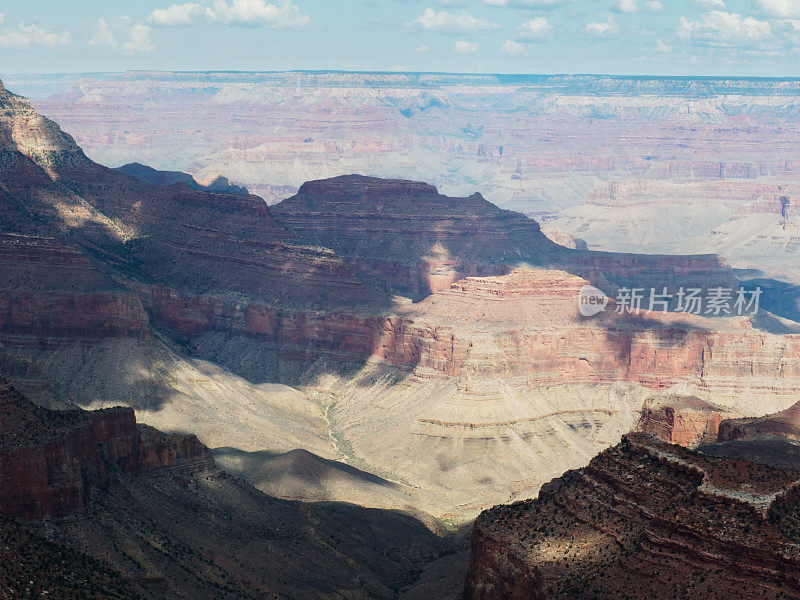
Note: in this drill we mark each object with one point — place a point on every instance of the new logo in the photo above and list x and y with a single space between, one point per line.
591 301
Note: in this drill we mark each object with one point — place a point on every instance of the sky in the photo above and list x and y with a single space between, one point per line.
624 37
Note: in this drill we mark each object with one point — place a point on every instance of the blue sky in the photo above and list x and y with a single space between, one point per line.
661 37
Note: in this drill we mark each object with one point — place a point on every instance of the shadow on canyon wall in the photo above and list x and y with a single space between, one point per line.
781 298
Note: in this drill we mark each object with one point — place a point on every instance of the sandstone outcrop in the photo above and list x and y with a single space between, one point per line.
681 420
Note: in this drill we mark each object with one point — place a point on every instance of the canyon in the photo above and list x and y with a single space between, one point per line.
359 370
433 342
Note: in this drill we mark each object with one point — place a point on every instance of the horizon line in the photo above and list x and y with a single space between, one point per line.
388 72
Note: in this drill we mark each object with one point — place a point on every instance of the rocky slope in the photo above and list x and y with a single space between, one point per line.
644 520
157 509
32 567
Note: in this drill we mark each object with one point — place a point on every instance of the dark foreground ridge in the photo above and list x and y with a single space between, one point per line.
645 520
112 496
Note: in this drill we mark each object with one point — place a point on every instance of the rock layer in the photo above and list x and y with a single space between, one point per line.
408 234
50 291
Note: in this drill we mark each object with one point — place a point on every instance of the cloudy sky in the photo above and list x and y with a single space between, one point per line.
662 37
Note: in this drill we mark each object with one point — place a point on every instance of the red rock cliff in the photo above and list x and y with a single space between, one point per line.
51 291
51 463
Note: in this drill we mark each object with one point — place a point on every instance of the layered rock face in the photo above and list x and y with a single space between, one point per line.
198 242
51 462
640 165
509 385
408 234
50 291
532 317
644 520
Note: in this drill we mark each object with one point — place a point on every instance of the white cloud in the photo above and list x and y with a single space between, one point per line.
515 48
654 6
782 9
139 40
535 27
718 28
103 36
2 17
462 47
714 4
25 36
624 6
448 22
258 12
422 48
252 13
602 28
541 4
178 14
110 33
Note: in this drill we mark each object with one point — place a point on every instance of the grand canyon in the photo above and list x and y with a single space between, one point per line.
318 335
